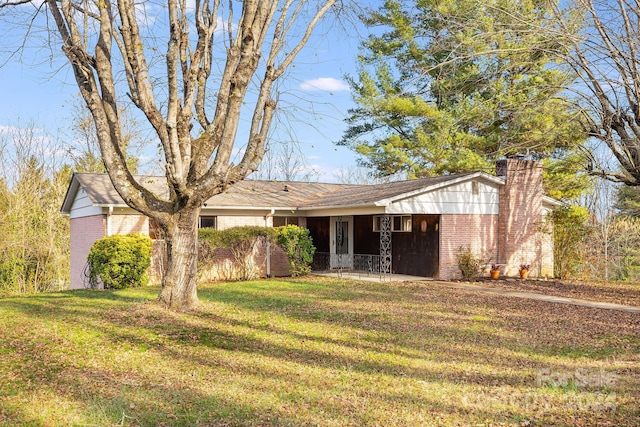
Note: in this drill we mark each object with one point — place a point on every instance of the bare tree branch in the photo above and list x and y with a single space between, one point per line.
605 56
13 3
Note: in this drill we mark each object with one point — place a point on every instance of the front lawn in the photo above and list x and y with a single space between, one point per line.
317 352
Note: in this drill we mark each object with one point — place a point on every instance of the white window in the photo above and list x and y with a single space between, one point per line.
207 222
279 221
399 223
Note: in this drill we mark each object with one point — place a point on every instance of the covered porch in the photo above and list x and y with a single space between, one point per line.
376 245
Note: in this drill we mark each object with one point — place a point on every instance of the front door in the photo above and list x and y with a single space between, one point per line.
342 239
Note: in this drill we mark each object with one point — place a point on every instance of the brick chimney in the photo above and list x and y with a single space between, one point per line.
520 215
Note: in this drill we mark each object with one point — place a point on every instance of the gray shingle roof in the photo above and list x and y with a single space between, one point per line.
369 194
102 192
279 194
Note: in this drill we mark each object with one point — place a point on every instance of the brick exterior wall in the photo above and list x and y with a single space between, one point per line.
84 232
129 224
478 232
225 267
521 240
279 264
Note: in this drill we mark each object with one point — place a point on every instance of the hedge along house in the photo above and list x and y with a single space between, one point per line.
413 227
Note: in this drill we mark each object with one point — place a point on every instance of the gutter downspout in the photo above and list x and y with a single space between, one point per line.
266 224
109 220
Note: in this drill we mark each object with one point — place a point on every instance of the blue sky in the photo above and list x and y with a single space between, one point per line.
315 102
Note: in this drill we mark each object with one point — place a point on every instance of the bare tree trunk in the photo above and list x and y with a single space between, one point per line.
179 282
247 54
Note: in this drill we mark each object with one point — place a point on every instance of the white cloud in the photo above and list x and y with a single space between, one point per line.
223 25
328 84
145 14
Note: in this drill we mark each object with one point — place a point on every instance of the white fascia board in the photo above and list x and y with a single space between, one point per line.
111 205
250 208
216 208
433 187
368 209
341 207
553 202
72 191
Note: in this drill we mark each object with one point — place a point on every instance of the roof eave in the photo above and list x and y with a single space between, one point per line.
433 187
70 195
361 205
553 202
253 208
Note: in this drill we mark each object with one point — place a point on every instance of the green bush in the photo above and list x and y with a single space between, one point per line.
209 240
240 241
298 245
295 241
570 227
468 263
120 261
210 236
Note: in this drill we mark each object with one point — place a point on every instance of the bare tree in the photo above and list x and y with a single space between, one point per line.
606 55
285 161
83 146
189 68
362 175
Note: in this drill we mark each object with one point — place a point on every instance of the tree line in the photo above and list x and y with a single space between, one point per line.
34 235
443 87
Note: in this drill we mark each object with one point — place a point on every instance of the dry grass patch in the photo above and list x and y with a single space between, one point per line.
318 352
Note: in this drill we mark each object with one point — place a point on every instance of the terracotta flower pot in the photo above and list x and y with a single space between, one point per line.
524 274
495 274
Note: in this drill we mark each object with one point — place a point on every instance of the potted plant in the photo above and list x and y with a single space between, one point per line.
495 271
524 270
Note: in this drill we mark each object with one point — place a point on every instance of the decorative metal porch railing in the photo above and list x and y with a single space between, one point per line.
342 261
366 263
362 264
321 261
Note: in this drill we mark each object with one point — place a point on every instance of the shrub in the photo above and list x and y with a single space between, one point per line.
468 263
209 241
298 245
240 241
120 261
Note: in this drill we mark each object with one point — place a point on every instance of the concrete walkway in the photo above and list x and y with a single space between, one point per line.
540 297
372 277
484 289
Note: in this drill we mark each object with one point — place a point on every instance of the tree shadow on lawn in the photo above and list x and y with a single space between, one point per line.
410 325
260 351
108 395
100 397
461 344
408 315
81 300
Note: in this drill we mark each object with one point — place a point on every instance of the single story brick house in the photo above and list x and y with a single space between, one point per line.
410 227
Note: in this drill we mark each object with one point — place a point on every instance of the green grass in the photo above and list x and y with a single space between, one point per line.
315 352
